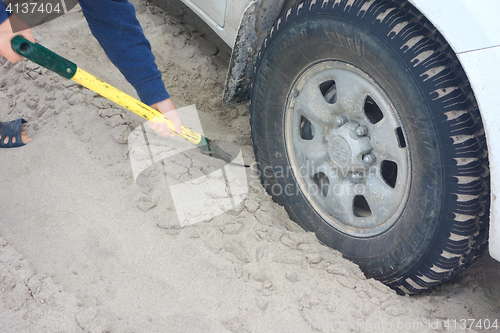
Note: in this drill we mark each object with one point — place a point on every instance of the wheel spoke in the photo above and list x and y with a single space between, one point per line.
338 201
310 154
313 104
385 141
379 196
352 92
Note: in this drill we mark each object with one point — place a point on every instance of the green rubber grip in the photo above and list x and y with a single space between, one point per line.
44 57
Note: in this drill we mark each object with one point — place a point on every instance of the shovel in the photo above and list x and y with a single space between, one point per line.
67 69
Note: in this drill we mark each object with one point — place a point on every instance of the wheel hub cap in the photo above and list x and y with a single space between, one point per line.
346 148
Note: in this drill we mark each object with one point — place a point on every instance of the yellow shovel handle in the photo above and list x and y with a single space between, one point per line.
119 97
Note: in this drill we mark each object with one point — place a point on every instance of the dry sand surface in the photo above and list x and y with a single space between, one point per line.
83 248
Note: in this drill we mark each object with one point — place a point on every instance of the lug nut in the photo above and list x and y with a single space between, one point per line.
369 158
357 176
341 120
361 130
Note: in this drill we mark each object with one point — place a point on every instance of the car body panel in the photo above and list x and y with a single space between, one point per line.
227 29
467 25
471 28
214 9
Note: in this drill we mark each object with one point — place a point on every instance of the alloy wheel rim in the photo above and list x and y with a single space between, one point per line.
347 148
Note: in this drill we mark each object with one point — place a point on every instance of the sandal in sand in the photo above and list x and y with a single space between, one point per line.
12 131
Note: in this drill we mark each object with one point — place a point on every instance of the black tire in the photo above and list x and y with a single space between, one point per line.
442 228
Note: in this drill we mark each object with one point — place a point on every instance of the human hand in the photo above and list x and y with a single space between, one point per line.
6 35
167 107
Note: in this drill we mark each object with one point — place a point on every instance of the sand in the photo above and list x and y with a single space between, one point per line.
83 248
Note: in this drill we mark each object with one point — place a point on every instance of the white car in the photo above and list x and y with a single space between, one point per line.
374 123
